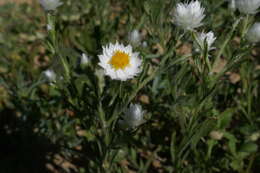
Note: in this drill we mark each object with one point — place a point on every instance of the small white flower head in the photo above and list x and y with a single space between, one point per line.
133 117
144 44
134 37
189 15
208 37
50 5
253 34
84 60
50 75
247 6
120 62
49 27
255 136
232 4
216 135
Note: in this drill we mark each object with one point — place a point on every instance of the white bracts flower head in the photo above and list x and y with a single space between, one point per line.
208 37
253 34
247 6
49 27
120 62
50 75
189 15
84 60
134 37
232 4
133 117
50 5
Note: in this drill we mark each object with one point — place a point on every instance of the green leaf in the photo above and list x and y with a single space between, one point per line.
249 147
231 142
225 119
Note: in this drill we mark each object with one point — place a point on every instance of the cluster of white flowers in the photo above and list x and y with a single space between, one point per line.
133 117
189 16
120 62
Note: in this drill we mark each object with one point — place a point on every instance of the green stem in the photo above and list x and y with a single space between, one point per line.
245 26
229 37
53 37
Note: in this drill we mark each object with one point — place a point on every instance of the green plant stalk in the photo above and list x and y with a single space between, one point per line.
204 54
51 20
245 26
169 53
229 37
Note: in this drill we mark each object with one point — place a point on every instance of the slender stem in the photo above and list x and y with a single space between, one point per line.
245 26
217 59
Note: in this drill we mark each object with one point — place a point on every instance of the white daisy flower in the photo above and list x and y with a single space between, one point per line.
247 6
253 34
189 15
208 37
133 117
134 37
84 60
49 5
50 75
120 62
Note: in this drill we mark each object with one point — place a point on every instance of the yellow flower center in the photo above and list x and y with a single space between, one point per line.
120 60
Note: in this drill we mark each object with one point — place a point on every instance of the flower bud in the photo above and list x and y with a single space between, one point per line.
133 117
255 136
50 5
134 37
84 60
208 37
50 75
253 34
247 6
217 135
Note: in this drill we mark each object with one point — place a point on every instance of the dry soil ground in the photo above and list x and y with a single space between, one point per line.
17 1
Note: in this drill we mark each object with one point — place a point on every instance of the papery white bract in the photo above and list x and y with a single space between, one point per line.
84 60
50 75
49 5
232 4
189 15
49 27
120 62
247 6
253 34
134 37
208 37
133 117
144 44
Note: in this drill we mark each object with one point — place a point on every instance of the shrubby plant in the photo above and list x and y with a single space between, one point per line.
139 86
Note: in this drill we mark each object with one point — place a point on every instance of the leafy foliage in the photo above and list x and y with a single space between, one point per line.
201 108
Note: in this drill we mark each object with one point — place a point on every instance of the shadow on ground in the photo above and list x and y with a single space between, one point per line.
22 150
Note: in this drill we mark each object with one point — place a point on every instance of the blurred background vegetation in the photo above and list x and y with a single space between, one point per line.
192 127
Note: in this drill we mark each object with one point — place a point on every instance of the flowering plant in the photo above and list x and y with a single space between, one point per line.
130 86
